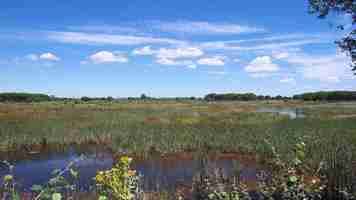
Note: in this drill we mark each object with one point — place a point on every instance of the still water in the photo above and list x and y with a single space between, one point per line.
158 173
292 113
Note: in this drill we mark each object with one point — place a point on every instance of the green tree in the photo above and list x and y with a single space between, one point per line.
324 7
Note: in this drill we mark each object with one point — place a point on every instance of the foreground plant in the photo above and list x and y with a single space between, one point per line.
118 183
59 187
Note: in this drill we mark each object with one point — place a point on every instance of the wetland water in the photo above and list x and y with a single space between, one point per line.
292 113
159 173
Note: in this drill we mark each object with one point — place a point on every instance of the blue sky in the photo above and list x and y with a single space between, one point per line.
169 48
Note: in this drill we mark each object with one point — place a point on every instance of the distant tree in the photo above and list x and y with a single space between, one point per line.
143 96
109 98
24 97
85 99
324 7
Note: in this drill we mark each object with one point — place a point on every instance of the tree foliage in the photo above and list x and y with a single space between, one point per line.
23 97
324 7
327 96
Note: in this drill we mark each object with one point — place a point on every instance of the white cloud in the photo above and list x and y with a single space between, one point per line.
144 51
107 57
109 39
49 56
196 27
45 56
325 68
213 61
172 62
262 64
288 80
172 56
274 43
280 55
175 53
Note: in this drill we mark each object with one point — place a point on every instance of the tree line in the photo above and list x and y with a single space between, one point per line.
23 97
327 96
311 96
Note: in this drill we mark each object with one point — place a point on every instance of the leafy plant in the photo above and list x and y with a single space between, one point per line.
118 183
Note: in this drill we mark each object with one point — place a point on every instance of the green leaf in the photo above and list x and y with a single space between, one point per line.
292 179
74 173
102 197
56 196
36 188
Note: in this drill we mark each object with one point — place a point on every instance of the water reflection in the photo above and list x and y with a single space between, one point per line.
159 173
293 113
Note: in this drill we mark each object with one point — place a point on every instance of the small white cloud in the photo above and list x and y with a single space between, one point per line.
49 56
173 62
167 61
107 57
280 55
212 61
144 51
262 64
32 57
236 60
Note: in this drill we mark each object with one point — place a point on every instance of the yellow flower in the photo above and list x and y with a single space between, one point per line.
99 177
132 172
125 160
8 178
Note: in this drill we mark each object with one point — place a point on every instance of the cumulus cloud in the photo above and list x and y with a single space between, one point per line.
49 56
172 56
212 61
262 64
107 57
200 27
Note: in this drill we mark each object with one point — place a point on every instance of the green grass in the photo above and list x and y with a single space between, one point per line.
138 127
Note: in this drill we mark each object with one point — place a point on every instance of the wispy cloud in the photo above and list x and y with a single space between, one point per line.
44 56
104 28
107 57
108 39
268 43
288 80
325 68
212 61
205 28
